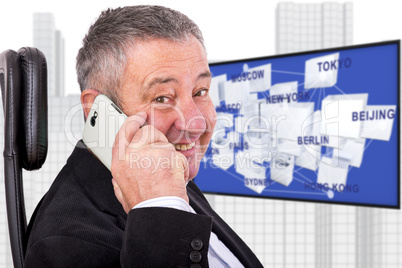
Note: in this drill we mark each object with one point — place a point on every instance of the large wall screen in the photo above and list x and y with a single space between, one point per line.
317 126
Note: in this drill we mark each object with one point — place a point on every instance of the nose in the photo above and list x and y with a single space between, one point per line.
190 118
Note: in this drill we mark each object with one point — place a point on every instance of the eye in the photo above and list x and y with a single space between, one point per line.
201 93
161 99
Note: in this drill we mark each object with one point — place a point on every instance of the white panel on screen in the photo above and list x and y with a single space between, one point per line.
261 78
336 115
282 166
319 72
297 115
258 146
254 174
239 99
258 138
235 93
223 156
240 124
310 153
224 121
230 139
289 147
224 150
379 127
216 88
330 173
273 113
335 141
287 91
352 151
251 106
309 159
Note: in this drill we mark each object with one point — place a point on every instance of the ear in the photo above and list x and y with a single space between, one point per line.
87 99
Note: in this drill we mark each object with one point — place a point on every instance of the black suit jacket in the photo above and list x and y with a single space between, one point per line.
80 223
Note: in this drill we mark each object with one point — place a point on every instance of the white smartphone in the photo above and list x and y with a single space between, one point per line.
102 124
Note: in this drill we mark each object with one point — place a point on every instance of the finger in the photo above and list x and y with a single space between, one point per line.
148 135
126 132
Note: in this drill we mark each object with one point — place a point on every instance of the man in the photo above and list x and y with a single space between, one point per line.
151 62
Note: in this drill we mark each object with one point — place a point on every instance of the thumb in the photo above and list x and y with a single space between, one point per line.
181 165
119 196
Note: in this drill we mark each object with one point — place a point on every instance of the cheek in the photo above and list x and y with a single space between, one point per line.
162 121
133 107
210 117
210 120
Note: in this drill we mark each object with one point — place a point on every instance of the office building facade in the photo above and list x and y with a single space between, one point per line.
50 41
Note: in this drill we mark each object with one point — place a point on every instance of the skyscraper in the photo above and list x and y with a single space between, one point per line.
302 27
51 42
59 68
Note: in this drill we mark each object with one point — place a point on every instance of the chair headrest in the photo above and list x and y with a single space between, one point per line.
23 78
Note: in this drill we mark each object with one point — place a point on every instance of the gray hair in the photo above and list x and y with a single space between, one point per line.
102 59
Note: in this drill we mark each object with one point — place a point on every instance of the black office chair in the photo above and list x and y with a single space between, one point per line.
23 81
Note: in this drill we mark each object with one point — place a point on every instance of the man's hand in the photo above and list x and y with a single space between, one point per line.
145 165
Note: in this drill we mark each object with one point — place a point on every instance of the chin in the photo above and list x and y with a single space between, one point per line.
194 160
194 168
193 172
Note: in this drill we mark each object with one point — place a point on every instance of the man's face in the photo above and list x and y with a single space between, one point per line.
170 81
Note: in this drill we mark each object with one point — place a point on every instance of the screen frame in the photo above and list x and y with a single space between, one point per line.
392 42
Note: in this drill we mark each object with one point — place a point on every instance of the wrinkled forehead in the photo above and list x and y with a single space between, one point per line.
162 55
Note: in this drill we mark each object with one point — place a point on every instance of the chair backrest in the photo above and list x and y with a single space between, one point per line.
23 81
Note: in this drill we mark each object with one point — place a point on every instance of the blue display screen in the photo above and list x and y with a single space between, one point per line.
318 126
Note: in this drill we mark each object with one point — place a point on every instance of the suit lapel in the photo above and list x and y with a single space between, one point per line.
231 240
96 180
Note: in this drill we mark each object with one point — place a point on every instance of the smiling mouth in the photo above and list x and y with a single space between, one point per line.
184 147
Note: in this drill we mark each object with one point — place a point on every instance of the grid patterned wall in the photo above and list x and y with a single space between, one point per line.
260 223
378 238
51 42
302 27
59 68
299 27
323 239
65 120
343 237
45 40
386 239
365 237
66 123
300 232
281 234
335 236
332 25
